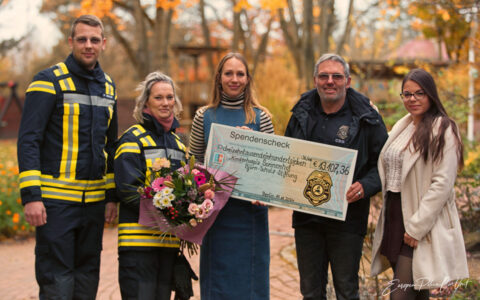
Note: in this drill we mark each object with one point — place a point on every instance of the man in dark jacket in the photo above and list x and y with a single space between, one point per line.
335 114
65 155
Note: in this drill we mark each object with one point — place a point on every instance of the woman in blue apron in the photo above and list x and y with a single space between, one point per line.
235 253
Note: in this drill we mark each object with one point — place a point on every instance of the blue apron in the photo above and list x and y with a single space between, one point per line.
235 253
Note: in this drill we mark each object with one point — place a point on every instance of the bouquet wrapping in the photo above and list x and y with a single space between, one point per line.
175 204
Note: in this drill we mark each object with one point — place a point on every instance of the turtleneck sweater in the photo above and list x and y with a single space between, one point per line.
197 140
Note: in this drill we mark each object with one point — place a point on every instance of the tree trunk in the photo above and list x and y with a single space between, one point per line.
206 36
309 60
346 32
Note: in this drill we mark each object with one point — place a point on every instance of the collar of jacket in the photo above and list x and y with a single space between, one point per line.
359 105
75 68
152 125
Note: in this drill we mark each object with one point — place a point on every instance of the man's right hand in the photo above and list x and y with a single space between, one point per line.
35 213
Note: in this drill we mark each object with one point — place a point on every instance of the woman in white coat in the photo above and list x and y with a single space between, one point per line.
418 233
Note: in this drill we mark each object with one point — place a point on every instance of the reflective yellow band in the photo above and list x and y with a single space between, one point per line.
73 184
147 141
41 86
70 140
109 89
61 69
137 130
137 235
110 182
127 148
71 195
29 178
67 84
108 78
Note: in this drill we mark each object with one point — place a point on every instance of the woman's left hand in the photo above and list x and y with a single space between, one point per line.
407 239
258 203
244 127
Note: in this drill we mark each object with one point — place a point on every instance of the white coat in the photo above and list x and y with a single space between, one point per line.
429 214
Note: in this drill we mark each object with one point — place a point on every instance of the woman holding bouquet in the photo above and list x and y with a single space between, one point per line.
146 259
418 233
235 253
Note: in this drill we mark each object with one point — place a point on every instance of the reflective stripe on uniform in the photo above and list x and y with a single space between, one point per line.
71 98
67 84
137 235
179 142
152 154
61 69
41 86
127 148
110 182
71 195
29 178
70 140
74 184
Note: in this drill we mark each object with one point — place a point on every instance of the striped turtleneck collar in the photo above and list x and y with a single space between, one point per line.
232 102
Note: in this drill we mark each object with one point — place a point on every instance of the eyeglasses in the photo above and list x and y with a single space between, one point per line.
335 77
418 95
93 40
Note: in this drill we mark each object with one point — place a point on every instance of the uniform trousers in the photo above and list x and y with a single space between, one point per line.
67 250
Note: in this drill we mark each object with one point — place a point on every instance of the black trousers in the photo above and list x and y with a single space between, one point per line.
67 250
146 274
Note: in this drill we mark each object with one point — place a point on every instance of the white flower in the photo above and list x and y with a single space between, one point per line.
166 191
157 200
170 197
166 202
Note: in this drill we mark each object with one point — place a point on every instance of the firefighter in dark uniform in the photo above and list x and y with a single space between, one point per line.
146 259
66 145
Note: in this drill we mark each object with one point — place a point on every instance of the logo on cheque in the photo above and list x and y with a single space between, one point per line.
318 187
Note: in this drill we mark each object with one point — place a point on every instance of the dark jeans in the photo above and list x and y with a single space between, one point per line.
146 275
317 247
67 251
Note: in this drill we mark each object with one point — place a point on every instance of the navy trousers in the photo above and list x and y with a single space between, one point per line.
317 247
67 250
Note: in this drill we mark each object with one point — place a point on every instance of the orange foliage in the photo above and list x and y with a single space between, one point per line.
168 4
273 5
242 4
99 8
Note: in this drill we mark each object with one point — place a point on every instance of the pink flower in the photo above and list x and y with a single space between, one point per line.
209 194
160 163
207 205
193 222
200 179
193 208
195 172
201 213
157 184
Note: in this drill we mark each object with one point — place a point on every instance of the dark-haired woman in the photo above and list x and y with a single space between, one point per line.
418 233
235 253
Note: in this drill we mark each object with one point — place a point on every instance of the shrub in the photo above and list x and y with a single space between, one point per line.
12 220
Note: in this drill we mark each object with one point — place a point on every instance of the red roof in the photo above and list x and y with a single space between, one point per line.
419 49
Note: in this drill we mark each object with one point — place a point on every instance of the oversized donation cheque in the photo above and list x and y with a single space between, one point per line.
286 172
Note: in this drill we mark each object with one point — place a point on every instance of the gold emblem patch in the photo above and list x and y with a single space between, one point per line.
317 190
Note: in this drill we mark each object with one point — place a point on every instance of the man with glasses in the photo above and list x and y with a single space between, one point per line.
335 114
65 155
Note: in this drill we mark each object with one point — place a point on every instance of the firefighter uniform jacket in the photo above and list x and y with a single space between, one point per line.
67 135
137 150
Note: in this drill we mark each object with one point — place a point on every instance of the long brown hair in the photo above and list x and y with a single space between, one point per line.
250 101
423 139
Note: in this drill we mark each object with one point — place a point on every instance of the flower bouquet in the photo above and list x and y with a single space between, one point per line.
184 202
